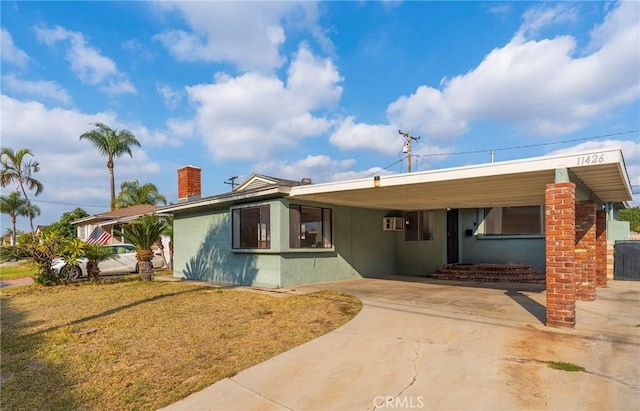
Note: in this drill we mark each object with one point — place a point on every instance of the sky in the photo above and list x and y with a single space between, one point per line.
302 89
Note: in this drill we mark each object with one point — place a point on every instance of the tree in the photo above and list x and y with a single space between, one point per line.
96 254
16 168
42 249
143 233
632 215
111 143
15 206
64 226
132 193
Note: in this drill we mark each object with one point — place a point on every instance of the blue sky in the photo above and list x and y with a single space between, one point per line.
301 89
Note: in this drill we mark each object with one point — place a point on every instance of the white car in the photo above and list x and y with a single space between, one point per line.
124 263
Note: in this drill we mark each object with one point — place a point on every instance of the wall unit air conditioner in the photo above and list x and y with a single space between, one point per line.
393 224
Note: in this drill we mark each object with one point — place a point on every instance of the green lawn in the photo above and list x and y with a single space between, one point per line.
22 270
125 344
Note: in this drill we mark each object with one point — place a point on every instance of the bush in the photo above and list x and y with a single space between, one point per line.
43 248
632 215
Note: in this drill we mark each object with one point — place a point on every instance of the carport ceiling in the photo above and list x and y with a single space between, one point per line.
512 183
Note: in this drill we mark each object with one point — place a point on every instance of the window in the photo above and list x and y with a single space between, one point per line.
514 220
309 227
251 227
418 225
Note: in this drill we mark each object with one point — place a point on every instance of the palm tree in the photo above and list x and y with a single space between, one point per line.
111 143
15 206
132 193
15 168
143 233
96 254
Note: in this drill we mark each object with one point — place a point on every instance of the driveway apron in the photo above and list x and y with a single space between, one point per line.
420 344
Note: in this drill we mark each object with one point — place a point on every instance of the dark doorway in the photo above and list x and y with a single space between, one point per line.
452 236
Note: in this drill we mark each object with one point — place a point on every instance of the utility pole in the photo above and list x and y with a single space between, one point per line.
232 181
407 147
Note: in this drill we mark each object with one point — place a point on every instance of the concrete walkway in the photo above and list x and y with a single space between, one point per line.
420 344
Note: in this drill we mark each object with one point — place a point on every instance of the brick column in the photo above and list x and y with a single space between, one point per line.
601 248
560 237
585 251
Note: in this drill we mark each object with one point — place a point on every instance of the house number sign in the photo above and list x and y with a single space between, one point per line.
597 158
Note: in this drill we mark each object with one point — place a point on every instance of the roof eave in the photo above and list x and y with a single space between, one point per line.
279 191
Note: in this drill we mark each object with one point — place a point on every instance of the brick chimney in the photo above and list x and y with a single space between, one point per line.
189 187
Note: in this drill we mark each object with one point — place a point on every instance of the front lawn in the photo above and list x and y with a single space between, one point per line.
134 345
23 269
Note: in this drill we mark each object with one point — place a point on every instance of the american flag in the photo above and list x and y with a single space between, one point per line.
99 236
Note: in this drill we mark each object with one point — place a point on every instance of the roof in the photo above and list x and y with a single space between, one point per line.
255 187
259 180
120 214
508 183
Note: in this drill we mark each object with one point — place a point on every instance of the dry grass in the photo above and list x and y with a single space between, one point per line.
134 345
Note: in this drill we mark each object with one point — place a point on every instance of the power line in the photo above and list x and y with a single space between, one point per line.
70 204
532 145
422 156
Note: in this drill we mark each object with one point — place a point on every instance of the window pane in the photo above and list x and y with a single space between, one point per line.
249 220
294 226
251 227
521 220
326 227
513 220
411 228
492 221
426 225
309 227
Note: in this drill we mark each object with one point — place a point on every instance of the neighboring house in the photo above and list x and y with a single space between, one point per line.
279 233
110 221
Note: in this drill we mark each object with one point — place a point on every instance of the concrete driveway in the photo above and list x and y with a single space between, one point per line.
421 344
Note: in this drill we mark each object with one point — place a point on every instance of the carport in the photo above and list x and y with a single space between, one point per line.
574 189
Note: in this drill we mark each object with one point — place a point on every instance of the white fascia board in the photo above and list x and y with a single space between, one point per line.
226 198
466 172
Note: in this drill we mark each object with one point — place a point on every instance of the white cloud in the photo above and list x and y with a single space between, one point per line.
253 115
45 89
180 128
10 53
116 87
535 86
87 62
540 16
136 48
350 135
71 170
248 34
319 168
172 99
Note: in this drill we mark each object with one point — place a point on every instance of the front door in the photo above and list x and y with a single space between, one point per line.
452 236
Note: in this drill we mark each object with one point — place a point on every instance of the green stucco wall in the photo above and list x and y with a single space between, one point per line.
202 251
497 250
361 249
420 258
202 248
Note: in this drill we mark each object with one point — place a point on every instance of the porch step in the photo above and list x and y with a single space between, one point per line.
508 273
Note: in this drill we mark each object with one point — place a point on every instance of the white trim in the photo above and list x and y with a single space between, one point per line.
611 156
225 198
